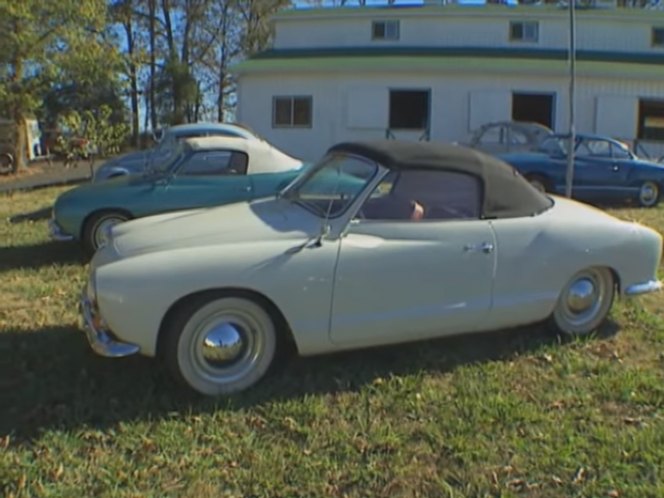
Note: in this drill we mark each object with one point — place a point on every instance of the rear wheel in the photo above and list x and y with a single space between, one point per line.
584 302
95 231
649 194
219 344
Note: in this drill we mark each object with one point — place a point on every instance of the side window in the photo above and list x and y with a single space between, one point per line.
518 137
595 148
412 195
212 163
620 152
492 135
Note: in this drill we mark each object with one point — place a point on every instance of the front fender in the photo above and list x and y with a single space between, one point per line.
135 293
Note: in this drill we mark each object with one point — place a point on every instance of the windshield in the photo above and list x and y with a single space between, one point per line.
330 187
554 145
167 162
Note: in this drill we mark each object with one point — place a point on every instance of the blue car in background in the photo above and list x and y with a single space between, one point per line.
604 170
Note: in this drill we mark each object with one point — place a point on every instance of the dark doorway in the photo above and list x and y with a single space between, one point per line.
409 109
537 107
651 119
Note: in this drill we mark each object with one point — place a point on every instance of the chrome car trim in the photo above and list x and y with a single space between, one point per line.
99 339
56 232
643 288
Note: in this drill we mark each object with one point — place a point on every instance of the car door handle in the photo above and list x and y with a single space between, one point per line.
485 247
615 167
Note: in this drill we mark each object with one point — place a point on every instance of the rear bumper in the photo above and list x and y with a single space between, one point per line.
100 339
643 288
56 232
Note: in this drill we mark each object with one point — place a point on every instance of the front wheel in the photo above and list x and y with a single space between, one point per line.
97 227
649 194
584 302
220 345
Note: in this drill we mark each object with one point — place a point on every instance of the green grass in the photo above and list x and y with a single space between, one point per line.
506 414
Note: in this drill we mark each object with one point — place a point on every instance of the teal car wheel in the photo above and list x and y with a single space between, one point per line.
97 227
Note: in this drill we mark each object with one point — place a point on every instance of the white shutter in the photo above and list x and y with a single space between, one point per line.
487 106
616 116
367 107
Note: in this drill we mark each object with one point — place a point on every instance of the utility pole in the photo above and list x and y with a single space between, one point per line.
572 83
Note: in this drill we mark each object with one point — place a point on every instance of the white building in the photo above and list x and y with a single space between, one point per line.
438 72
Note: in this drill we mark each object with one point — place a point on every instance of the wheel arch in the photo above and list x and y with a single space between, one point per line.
284 331
615 275
97 212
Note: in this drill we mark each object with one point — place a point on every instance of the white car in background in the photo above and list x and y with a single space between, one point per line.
379 243
167 140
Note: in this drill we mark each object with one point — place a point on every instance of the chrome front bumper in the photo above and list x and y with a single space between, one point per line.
56 232
643 288
100 340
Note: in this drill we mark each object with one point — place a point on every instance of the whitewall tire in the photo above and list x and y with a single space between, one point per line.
585 302
95 232
220 345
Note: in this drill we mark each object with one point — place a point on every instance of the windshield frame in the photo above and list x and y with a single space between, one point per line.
290 191
180 153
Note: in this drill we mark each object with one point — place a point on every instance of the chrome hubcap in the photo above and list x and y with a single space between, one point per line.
223 344
104 229
649 193
581 296
226 346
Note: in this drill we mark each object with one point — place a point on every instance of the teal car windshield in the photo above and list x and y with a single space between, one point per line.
329 188
168 163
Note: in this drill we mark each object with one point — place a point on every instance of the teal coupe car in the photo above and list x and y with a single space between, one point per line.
203 172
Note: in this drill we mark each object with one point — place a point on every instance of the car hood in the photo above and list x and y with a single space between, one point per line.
261 220
644 163
107 186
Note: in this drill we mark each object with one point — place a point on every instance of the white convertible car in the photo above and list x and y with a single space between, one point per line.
380 242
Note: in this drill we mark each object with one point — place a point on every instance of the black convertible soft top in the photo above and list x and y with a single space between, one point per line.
506 193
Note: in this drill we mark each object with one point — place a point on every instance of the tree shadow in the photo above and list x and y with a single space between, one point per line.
37 215
50 379
37 256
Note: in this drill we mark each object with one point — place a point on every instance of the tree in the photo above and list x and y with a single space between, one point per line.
37 39
123 12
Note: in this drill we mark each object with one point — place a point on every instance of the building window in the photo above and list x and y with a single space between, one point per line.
292 112
526 31
658 37
651 120
409 109
385 30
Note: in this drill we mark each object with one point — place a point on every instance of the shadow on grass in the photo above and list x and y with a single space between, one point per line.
39 255
51 380
39 214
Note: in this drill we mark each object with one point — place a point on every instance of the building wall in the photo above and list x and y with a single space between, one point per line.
456 28
352 107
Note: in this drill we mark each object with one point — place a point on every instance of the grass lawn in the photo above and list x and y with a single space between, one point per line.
513 413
